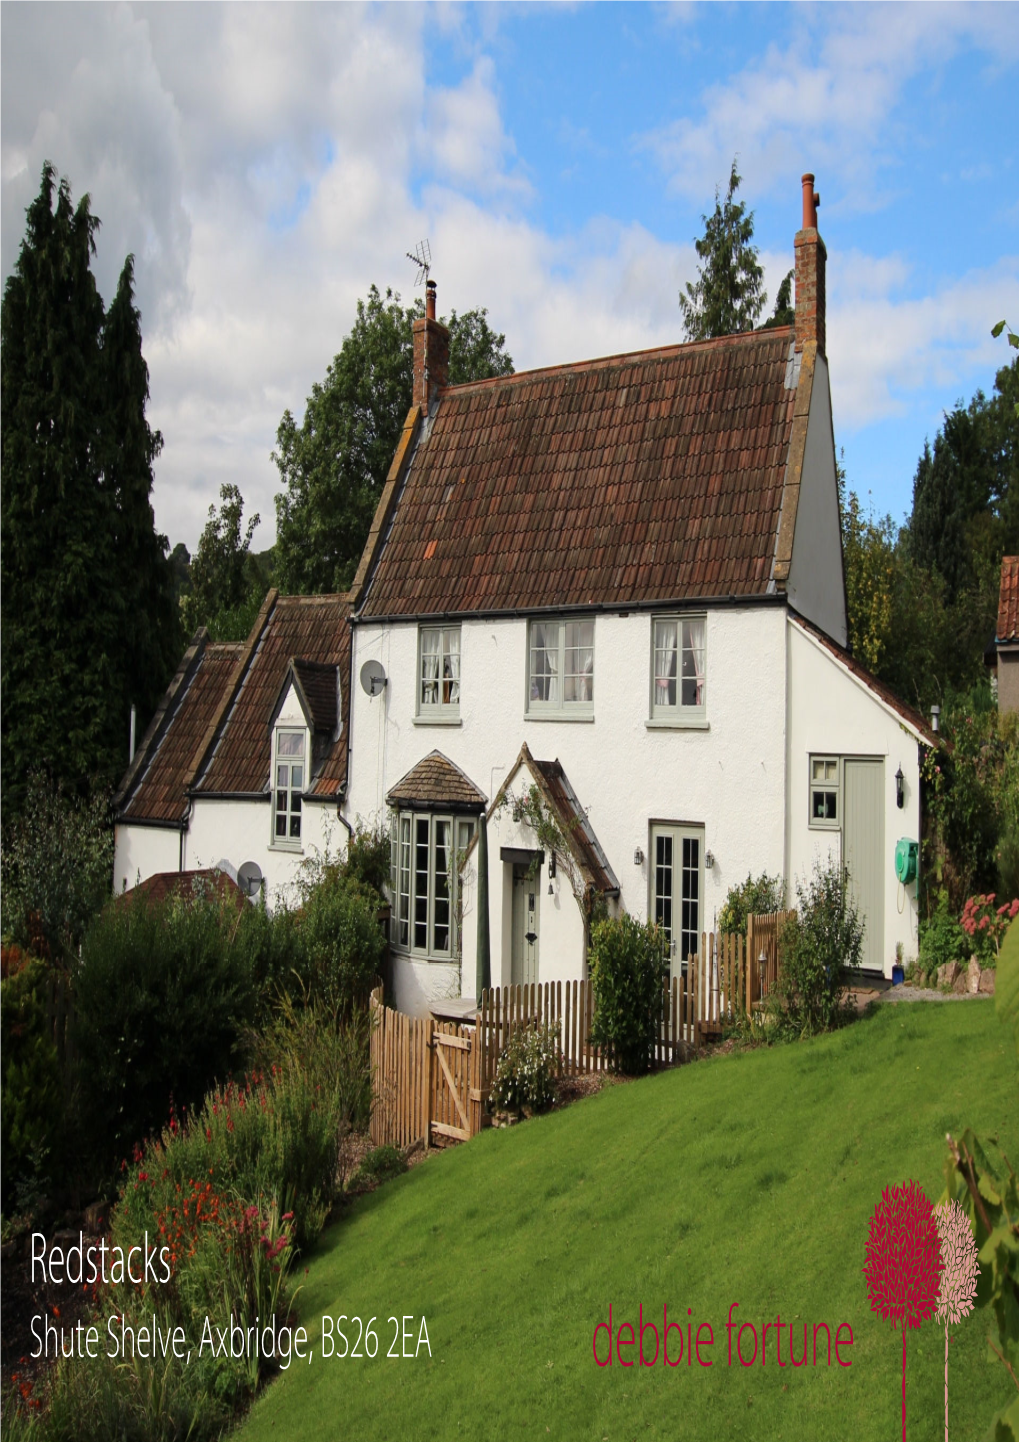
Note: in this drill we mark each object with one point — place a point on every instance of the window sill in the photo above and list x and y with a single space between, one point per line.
559 716
661 723
421 958
832 826
436 721
295 848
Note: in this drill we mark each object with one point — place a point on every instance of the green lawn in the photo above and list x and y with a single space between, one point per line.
747 1178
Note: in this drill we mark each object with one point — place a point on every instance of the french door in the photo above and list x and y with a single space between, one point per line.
676 889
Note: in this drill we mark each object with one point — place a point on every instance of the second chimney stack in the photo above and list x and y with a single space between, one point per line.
809 251
431 352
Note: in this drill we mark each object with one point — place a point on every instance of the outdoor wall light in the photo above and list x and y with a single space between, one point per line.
899 787
639 856
709 861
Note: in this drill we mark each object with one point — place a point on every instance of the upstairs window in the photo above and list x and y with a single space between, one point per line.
824 792
561 668
439 673
290 781
678 668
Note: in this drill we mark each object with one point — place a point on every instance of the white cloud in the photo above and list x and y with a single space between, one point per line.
823 102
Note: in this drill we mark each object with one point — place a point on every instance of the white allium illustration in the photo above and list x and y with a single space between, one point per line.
960 1270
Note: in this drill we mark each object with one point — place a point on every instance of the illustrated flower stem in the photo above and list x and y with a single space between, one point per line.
947 1380
904 1379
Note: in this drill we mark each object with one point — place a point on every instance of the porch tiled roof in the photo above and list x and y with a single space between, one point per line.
1006 625
574 823
642 477
436 781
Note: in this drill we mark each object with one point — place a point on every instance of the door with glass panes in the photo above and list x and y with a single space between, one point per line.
677 889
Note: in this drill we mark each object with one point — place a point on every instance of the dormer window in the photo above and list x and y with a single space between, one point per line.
290 782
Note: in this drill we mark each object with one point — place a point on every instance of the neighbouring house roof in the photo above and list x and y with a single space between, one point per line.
634 479
906 713
212 733
153 788
1006 625
189 886
436 781
569 815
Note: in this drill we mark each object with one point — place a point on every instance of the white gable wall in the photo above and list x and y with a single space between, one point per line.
142 851
834 713
815 585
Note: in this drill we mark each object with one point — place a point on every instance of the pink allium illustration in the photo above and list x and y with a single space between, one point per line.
960 1270
904 1263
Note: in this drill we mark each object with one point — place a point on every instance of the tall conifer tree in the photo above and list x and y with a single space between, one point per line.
89 621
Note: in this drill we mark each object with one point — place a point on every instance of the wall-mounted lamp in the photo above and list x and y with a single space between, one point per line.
936 712
709 861
639 856
899 787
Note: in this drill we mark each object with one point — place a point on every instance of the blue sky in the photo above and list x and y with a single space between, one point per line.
266 164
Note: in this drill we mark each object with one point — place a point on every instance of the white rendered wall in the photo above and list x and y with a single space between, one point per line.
240 831
832 713
729 778
815 586
142 851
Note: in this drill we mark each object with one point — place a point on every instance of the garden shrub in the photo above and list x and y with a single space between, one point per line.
819 950
984 925
526 1071
380 1165
941 939
31 1101
751 898
161 995
55 868
627 961
341 940
368 859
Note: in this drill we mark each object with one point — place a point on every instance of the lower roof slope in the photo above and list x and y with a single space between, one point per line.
645 477
1006 624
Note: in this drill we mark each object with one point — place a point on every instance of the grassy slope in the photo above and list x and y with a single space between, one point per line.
747 1178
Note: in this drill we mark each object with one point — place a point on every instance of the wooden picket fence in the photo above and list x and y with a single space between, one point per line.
763 934
431 1079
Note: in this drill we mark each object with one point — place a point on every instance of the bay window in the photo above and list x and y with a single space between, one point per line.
425 852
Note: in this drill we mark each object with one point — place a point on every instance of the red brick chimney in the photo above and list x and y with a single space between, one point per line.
809 250
431 352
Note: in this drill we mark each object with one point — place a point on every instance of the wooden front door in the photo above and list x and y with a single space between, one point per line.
524 928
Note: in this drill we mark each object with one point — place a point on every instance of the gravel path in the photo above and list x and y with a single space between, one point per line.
922 993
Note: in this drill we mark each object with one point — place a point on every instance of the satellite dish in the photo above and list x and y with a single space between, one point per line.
224 865
249 878
373 678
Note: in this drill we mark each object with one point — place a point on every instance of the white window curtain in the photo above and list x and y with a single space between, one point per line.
579 661
545 647
665 663
693 663
431 648
451 667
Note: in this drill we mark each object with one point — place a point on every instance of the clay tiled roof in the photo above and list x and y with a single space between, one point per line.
236 757
189 886
435 781
654 476
574 823
1006 626
914 718
154 788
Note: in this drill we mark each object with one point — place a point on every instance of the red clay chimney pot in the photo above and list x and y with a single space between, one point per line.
812 200
430 300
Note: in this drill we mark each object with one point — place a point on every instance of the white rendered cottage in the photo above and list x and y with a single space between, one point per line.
246 758
620 583
601 611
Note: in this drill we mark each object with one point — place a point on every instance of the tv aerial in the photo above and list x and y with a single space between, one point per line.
422 258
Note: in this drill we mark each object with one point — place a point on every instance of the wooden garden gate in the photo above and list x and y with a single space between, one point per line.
425 1078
